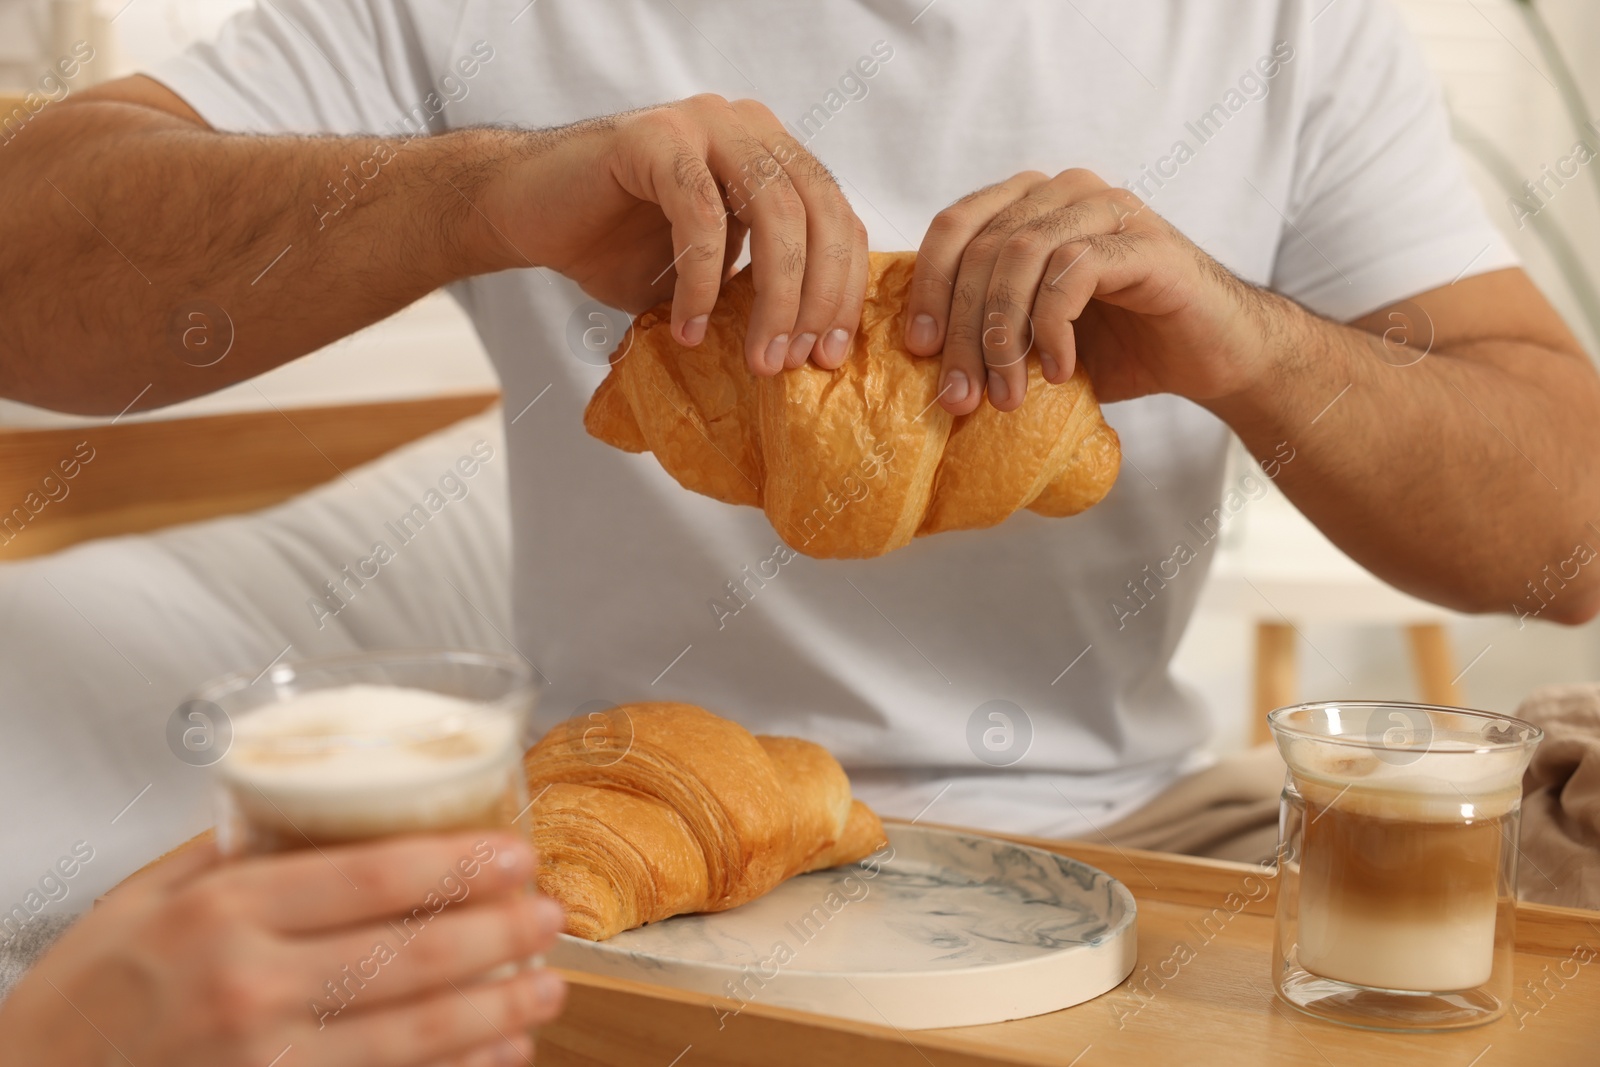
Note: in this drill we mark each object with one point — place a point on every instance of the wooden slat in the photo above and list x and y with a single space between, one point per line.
615 1021
1277 646
1434 662
1215 1007
146 475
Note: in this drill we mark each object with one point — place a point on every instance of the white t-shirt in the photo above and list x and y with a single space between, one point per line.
1301 143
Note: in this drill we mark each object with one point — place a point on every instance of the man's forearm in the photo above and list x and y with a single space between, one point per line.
140 247
1459 477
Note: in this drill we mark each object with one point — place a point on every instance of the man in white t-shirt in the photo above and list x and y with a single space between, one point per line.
1253 222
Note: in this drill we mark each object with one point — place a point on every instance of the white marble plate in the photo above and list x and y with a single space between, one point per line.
937 929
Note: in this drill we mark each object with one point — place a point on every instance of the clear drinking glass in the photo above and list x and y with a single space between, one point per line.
1398 862
329 752
324 752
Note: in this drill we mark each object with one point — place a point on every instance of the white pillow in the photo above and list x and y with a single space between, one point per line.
99 643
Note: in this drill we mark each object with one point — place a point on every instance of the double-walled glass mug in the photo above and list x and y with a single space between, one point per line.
329 752
326 752
1398 862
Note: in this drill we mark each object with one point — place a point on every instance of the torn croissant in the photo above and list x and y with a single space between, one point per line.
689 812
854 462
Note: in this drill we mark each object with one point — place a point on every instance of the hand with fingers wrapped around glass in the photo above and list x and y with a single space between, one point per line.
384 952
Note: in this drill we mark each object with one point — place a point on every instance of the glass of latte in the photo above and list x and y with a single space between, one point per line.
1398 862
327 752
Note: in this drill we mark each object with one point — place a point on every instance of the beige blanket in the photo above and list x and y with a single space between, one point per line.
1230 810
1561 799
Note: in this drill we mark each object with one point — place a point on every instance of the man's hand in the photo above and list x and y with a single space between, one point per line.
656 203
1067 269
216 965
289 243
1400 426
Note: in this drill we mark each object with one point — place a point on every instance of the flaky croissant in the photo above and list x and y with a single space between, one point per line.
679 810
854 462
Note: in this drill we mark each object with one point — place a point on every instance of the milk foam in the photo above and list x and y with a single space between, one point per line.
365 760
1453 779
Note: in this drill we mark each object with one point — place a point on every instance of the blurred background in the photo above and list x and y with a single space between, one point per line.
1286 616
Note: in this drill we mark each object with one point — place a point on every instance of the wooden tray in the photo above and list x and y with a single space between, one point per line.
1201 993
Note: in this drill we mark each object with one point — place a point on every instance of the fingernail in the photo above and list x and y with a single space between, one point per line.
548 915
956 385
998 391
515 860
800 350
924 331
833 346
547 986
1047 363
694 331
777 349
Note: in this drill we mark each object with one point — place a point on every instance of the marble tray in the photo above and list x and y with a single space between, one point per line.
937 929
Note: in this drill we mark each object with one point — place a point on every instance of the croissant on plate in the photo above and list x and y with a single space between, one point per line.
666 808
854 462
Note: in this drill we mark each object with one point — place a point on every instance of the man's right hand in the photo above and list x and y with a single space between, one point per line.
276 246
656 203
197 963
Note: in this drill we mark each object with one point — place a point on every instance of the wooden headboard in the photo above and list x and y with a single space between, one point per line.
145 475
